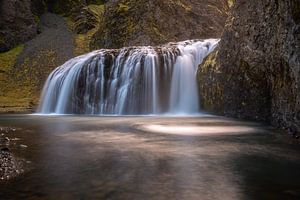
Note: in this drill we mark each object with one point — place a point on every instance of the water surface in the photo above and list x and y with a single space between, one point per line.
76 157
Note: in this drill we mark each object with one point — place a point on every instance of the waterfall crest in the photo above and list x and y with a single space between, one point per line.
132 80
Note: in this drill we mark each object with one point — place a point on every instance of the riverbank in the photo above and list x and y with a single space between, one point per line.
16 110
11 166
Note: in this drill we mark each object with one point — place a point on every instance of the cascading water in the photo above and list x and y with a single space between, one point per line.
134 80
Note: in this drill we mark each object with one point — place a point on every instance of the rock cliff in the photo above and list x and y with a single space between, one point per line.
17 23
255 73
153 22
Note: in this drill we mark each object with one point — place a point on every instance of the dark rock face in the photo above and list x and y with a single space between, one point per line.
154 22
38 7
255 73
17 23
62 6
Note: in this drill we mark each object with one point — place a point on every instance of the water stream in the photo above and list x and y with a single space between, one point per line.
132 80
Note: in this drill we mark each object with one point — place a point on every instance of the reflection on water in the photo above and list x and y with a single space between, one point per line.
151 158
196 130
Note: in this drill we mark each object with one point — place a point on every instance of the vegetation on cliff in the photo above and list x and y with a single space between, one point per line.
256 68
136 22
14 95
92 24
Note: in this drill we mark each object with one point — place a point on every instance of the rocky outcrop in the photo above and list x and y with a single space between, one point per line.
17 23
140 22
28 66
87 17
51 48
255 73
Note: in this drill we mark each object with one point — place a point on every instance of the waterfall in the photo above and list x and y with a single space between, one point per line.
132 80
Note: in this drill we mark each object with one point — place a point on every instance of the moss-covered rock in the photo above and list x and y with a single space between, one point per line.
210 87
87 17
257 64
13 94
24 69
137 22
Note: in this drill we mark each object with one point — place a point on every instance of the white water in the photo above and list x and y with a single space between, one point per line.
135 80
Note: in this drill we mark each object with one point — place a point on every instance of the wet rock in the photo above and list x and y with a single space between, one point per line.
23 146
6 139
5 149
10 166
293 130
7 129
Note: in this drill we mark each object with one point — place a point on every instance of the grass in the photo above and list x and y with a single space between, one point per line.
20 85
8 59
14 96
82 42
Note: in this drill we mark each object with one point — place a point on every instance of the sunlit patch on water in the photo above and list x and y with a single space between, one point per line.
195 130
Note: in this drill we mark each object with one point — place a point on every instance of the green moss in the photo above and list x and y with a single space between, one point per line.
231 2
69 23
213 7
130 26
122 7
36 18
8 59
186 7
82 41
97 11
14 95
21 85
210 89
211 63
157 32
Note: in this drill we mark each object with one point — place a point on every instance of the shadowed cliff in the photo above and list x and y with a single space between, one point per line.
255 72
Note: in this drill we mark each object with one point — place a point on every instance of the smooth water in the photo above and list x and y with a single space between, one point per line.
132 80
184 158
